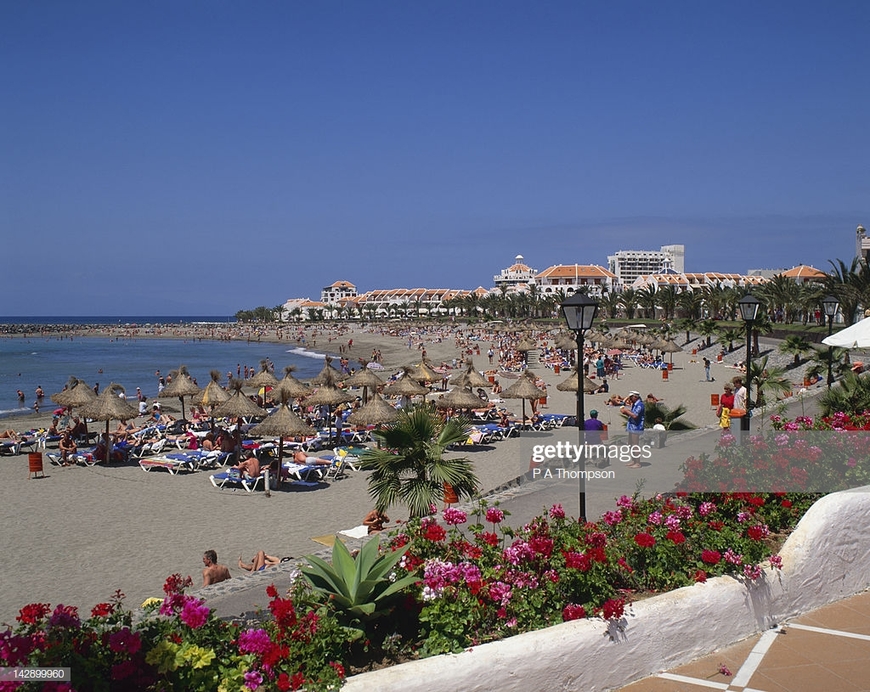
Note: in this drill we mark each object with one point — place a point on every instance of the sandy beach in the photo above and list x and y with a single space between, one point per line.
80 533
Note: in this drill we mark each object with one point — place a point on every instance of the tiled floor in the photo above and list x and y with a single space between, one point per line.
827 650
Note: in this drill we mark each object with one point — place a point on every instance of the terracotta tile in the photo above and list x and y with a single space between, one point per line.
658 685
805 678
732 657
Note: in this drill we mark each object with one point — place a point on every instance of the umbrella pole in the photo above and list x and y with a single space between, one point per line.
181 399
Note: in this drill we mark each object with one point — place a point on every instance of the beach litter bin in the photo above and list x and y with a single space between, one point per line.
450 497
557 368
665 374
604 434
714 401
34 464
670 366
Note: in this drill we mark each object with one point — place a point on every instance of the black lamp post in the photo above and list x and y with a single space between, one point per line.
749 305
831 304
580 311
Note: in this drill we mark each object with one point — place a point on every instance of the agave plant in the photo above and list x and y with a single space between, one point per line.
358 588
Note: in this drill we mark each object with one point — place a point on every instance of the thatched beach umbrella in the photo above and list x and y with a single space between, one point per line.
262 379
525 345
281 423
524 388
329 395
364 378
375 412
180 386
459 398
423 372
289 387
328 371
472 378
76 394
565 343
570 385
672 347
213 394
238 406
405 386
109 406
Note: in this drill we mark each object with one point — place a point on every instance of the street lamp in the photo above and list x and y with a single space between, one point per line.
831 304
580 311
749 305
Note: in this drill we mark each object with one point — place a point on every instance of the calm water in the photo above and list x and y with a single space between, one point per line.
49 362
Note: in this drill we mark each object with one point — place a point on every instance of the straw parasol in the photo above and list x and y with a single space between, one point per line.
570 385
470 377
672 347
364 378
525 345
459 398
424 372
109 406
237 406
565 343
524 388
180 386
405 386
76 394
289 387
262 379
329 395
213 394
328 371
375 412
280 424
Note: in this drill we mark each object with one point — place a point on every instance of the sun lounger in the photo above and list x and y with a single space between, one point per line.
233 480
302 471
174 466
10 447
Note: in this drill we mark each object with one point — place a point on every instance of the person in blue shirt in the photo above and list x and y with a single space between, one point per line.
634 410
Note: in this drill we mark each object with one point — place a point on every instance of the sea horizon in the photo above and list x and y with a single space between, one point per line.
115 319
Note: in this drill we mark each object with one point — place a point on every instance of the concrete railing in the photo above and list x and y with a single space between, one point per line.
826 559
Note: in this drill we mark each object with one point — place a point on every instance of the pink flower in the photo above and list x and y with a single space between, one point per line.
253 679
494 515
453 517
733 558
752 572
776 561
612 518
706 508
500 593
655 518
254 641
724 670
626 502
556 512
194 613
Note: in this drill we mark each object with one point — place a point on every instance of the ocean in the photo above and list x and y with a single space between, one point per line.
26 363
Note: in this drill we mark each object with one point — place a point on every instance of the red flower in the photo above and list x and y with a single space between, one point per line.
33 613
434 532
700 576
757 501
716 525
102 610
283 682
271 591
756 533
597 555
613 608
786 503
676 537
572 611
577 561
489 538
297 681
339 669
597 539
541 546
645 540
622 563
711 557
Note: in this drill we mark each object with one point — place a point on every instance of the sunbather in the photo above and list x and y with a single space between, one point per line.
250 467
67 447
259 562
375 520
213 572
9 435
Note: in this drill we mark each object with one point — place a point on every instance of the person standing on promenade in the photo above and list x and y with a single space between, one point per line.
635 410
213 573
707 370
726 403
593 428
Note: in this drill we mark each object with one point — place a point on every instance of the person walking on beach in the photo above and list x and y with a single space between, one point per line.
635 411
20 399
707 370
213 573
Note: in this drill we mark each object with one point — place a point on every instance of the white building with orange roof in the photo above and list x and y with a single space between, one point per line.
408 301
568 278
696 280
337 291
805 274
517 277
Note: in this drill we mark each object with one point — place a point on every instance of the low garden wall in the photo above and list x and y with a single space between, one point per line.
827 558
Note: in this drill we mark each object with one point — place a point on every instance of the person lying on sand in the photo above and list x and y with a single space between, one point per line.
261 561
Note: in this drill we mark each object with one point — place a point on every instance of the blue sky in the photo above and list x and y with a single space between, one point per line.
190 157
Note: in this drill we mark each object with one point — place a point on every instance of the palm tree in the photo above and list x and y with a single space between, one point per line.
848 284
279 311
690 303
610 304
628 302
851 395
670 417
728 335
667 297
707 328
795 345
767 379
409 467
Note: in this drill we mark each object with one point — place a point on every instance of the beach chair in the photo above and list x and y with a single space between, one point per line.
174 466
234 481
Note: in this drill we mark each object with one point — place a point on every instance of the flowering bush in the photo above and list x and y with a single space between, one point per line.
479 585
800 455
178 645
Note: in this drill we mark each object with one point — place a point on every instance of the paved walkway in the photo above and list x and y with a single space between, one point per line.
826 650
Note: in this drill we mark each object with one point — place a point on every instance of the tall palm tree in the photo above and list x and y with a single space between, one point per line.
409 468
628 302
690 303
848 284
667 297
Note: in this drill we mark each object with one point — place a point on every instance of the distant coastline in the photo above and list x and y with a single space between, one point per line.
114 320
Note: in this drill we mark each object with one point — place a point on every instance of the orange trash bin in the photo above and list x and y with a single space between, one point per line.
714 401
557 368
665 374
